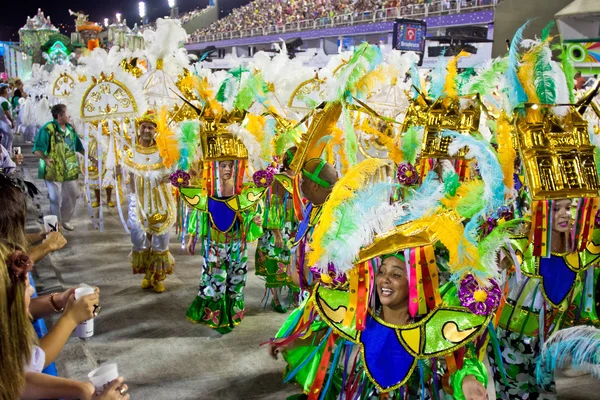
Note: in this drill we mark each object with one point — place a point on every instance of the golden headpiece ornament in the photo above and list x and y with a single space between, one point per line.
149 116
557 154
217 140
448 114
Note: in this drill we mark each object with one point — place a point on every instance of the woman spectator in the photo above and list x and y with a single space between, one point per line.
19 355
13 214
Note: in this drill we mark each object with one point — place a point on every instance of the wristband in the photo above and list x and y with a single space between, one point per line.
471 366
53 304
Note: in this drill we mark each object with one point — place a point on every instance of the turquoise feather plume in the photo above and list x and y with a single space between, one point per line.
578 346
491 174
424 200
438 78
514 88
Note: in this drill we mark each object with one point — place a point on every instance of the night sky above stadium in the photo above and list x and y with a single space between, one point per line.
15 13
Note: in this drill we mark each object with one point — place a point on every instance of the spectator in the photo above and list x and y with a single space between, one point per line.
6 120
20 357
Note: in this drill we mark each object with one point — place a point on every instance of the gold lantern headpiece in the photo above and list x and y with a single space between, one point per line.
218 142
558 159
450 114
556 153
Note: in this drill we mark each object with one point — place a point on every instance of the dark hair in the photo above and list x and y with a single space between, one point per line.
3 88
287 160
13 214
58 110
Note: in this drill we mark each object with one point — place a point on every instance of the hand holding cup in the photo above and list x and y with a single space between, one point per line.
55 241
81 309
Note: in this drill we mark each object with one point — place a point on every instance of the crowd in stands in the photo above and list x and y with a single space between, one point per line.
187 17
264 13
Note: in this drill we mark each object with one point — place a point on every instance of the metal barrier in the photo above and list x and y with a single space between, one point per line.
423 10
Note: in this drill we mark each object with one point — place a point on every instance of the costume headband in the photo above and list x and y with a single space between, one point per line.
314 176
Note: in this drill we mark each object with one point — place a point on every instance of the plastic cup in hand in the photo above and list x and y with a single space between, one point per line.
102 377
50 223
86 328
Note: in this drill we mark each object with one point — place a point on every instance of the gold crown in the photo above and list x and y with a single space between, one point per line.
448 114
217 141
557 154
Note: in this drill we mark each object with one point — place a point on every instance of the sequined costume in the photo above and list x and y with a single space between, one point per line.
272 262
222 226
152 212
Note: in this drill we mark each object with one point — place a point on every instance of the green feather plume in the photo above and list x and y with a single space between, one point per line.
365 58
287 139
253 89
411 144
568 69
472 203
488 248
451 183
231 84
546 31
545 85
486 80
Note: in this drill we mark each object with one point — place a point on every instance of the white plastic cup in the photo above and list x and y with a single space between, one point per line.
86 328
50 223
17 150
102 377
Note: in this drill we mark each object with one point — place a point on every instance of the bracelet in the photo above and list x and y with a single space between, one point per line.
53 304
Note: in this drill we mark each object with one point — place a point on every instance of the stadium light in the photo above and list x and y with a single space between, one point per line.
171 3
106 22
142 9
118 17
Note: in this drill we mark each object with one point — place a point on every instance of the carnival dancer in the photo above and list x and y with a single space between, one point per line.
273 255
344 340
548 261
318 178
107 175
151 206
57 145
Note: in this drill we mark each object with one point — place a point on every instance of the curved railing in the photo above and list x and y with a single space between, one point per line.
435 8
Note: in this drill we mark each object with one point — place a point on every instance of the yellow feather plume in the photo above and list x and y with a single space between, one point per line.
526 70
355 179
166 141
202 87
367 83
462 192
394 152
506 151
450 86
336 142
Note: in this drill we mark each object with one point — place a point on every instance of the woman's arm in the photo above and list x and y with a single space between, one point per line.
36 237
41 307
54 241
42 386
76 312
